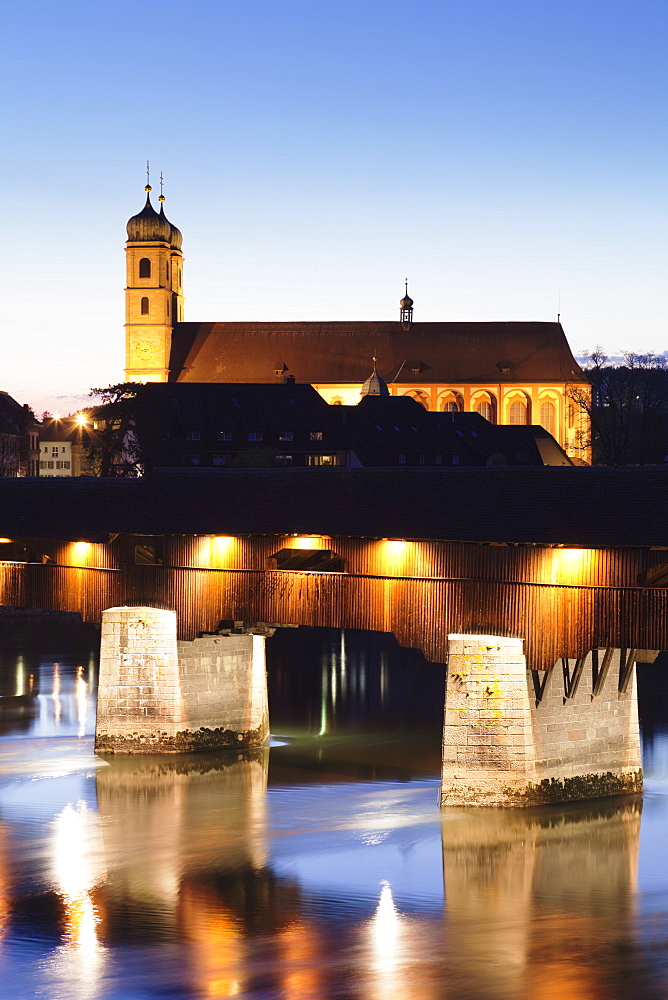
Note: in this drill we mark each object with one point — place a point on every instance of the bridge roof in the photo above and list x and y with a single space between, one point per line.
592 507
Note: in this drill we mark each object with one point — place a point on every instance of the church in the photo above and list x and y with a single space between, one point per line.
508 372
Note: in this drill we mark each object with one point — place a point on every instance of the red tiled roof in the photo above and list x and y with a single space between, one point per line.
321 352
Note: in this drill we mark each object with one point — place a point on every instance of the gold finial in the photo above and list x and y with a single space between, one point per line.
148 178
162 197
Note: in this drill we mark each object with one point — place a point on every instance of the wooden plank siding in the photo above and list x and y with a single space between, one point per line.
563 602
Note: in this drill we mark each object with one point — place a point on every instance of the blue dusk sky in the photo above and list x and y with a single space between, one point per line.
508 157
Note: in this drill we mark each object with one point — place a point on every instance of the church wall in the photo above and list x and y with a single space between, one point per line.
569 423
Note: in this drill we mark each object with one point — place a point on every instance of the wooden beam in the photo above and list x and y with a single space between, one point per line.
572 678
600 673
626 664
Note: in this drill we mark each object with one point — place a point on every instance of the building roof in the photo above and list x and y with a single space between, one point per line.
176 422
339 352
591 507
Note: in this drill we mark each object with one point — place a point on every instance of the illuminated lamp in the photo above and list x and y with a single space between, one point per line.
81 550
5 541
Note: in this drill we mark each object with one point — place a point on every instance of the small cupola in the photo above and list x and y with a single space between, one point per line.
375 385
406 310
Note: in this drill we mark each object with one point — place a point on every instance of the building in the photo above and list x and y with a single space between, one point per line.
516 373
61 446
19 441
216 425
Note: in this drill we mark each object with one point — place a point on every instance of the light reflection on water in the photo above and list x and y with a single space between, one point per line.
321 868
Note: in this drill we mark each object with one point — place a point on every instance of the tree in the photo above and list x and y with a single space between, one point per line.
111 446
626 406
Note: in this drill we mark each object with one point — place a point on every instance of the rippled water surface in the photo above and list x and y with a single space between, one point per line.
319 868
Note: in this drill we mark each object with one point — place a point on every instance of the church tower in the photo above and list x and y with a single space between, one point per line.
153 294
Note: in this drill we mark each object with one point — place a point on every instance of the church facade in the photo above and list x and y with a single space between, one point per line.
509 372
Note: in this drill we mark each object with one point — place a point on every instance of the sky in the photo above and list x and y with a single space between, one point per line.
508 157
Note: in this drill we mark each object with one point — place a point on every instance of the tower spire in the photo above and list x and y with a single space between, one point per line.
162 197
148 178
406 310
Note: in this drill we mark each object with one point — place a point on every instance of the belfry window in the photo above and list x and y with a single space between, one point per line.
144 268
144 305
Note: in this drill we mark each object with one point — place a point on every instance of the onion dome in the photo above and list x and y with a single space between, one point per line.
375 385
149 226
407 301
175 235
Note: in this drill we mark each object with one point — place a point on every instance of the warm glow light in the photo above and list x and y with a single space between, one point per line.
81 694
385 931
571 556
76 880
55 694
20 677
223 542
395 552
307 542
4 541
81 550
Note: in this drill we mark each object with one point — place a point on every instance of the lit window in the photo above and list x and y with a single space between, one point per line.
224 436
315 436
144 268
321 459
452 402
286 436
144 305
517 413
486 410
548 416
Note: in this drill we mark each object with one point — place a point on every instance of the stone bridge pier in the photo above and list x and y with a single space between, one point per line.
157 694
514 739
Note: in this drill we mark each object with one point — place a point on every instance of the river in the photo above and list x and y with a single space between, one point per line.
319 868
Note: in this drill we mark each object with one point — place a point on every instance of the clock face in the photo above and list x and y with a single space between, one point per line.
144 350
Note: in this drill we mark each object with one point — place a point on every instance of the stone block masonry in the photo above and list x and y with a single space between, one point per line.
501 748
159 695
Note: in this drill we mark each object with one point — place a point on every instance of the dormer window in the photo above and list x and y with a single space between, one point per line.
255 435
286 436
315 436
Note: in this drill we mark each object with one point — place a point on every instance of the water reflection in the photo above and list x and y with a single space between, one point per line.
319 870
541 903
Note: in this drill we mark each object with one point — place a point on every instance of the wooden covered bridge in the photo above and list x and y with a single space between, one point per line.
571 563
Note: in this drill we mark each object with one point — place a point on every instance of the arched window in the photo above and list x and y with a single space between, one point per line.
452 402
517 412
420 396
144 268
486 407
548 416
144 305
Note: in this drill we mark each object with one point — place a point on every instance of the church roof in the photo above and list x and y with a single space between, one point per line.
339 351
